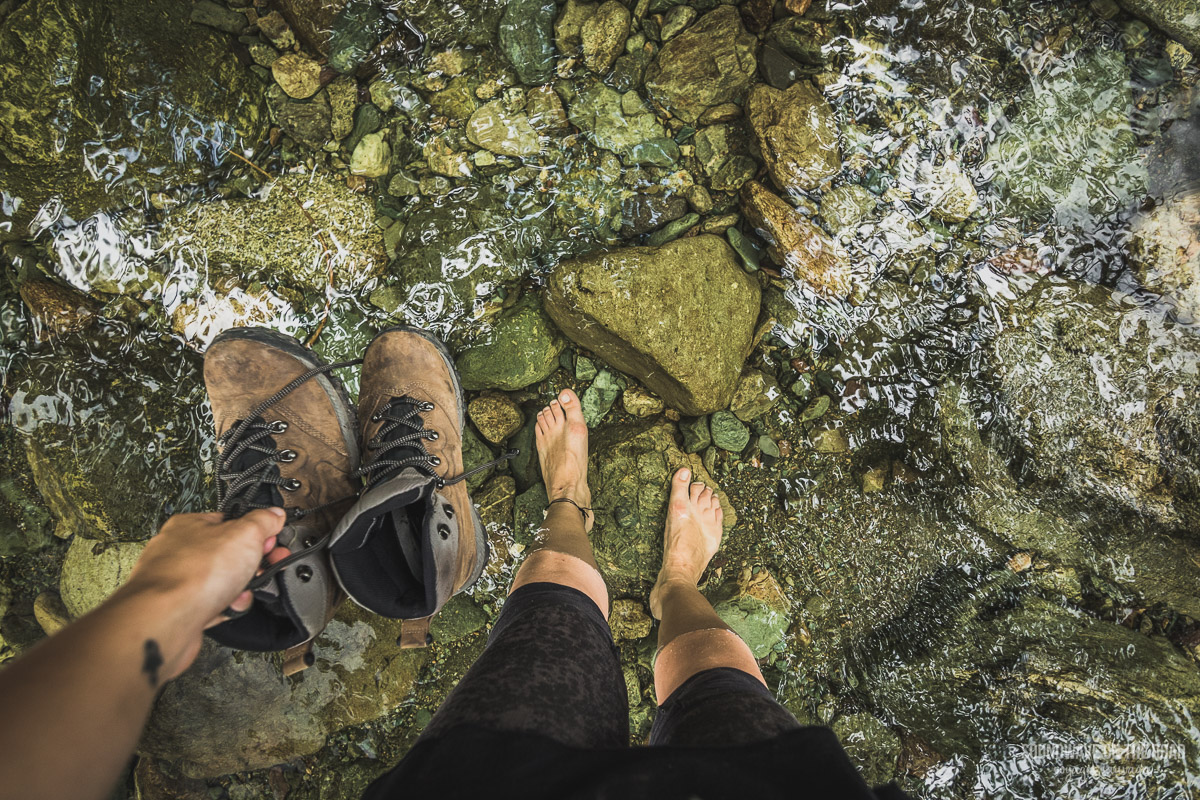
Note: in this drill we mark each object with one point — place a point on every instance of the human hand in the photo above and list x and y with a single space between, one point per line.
202 563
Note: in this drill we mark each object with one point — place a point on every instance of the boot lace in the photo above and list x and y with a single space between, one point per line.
400 444
244 483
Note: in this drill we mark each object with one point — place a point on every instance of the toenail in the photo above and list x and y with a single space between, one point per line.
685 475
565 398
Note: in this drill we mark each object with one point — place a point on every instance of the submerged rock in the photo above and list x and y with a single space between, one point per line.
679 318
598 111
630 473
84 86
234 710
797 133
1070 148
1179 19
796 244
1165 250
494 128
710 63
568 28
526 38
93 570
603 36
268 236
521 349
495 416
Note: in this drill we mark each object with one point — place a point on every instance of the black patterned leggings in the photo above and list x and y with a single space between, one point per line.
551 668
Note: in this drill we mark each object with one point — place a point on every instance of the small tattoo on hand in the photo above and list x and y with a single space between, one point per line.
151 661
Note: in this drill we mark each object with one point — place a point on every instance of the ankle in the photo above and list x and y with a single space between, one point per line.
676 578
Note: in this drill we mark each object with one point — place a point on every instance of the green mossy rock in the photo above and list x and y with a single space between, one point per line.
710 63
1177 18
521 349
94 570
234 710
679 318
137 74
630 476
268 237
760 626
527 38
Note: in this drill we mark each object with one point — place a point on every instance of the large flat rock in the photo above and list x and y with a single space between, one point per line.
680 318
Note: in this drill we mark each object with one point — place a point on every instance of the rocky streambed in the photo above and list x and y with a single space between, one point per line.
915 285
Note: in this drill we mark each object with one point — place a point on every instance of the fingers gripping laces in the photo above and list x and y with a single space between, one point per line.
240 491
400 444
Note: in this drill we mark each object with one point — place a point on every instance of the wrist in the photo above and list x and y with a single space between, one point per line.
163 615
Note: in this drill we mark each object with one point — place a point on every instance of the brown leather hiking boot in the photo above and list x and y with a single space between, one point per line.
288 437
414 538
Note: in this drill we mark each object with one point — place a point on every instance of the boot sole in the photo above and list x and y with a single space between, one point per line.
347 417
481 542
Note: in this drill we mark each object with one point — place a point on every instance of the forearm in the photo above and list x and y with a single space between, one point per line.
74 705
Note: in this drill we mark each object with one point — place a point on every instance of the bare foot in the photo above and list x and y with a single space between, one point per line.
562 450
692 536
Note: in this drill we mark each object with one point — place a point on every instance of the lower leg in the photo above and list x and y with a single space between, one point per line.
691 637
561 550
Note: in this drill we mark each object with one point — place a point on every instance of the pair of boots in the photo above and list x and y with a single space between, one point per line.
377 503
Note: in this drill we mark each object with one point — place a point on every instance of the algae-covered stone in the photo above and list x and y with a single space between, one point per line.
476 453
629 473
797 244
495 416
1179 19
165 97
597 110
710 63
728 432
760 626
679 318
870 745
234 710
568 28
599 398
458 618
297 75
268 236
494 128
640 403
628 620
526 38
106 473
603 36
521 349
372 156
1070 148
757 393
797 134
93 570
696 436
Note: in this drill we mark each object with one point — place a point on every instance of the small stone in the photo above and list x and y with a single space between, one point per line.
642 213
50 613
744 246
367 119
275 28
759 625
757 393
568 28
902 473
696 436
445 160
585 369
521 349
91 571
728 432
403 184
661 152
457 619
603 36
798 135
815 410
778 68
495 416
1020 562
546 112
734 173
599 398
297 75
215 15
494 128
372 157
875 479
673 230
640 403
831 441
768 447
343 100
263 54
726 112
451 62
699 199
675 20
629 621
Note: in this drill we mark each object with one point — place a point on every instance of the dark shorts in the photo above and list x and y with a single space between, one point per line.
544 712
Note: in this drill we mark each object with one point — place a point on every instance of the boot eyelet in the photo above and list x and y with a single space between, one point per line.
443 531
278 426
309 541
448 511
433 436
437 462
373 443
427 406
287 456
291 484
376 418
304 572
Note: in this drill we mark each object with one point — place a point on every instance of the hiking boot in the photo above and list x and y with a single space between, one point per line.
414 538
288 438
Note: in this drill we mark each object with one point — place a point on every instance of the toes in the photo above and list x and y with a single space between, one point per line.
555 411
571 406
706 496
683 475
696 490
